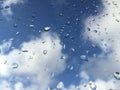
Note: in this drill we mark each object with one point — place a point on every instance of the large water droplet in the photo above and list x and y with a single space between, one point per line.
60 85
92 85
47 28
117 75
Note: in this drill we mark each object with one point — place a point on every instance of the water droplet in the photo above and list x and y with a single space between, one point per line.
24 50
14 65
95 31
11 39
52 74
15 25
66 36
68 23
72 49
62 57
45 52
92 85
6 7
61 14
64 46
17 33
47 28
60 85
83 57
117 75
117 20
31 26
71 68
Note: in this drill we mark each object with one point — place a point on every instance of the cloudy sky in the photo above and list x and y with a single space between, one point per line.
59 44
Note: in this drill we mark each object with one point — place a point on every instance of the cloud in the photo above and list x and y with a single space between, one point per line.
7 6
35 63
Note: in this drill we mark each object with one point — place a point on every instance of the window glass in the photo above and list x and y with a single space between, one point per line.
59 44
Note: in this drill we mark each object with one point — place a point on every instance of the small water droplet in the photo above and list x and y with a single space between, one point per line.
45 52
31 26
15 25
71 68
72 49
62 57
14 65
17 33
52 74
24 50
83 57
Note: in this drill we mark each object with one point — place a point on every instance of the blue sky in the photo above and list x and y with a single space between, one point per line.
63 44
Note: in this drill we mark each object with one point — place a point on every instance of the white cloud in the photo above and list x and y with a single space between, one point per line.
30 61
7 4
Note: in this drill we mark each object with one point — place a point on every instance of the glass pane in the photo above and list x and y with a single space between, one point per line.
59 44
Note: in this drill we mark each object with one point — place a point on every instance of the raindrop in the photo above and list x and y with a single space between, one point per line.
47 28
72 49
14 65
117 75
15 25
77 19
39 31
60 85
84 57
52 74
64 46
88 29
5 61
93 45
11 39
68 23
92 85
6 7
31 26
62 57
61 14
71 68
95 31
17 33
24 50
66 35
33 16
45 52
117 20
